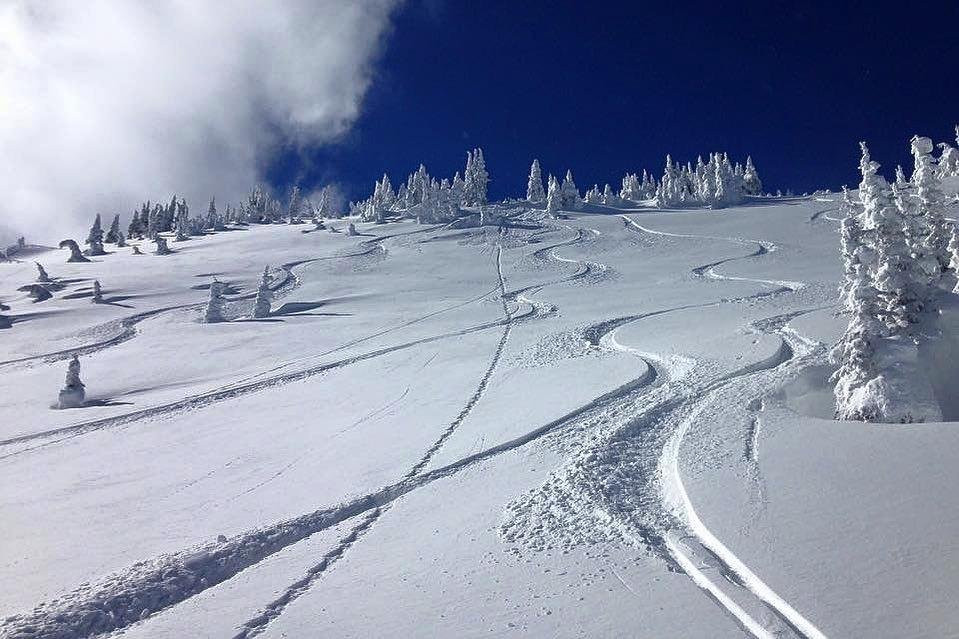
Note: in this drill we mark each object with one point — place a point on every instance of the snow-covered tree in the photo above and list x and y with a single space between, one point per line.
948 165
475 179
75 254
351 229
95 238
296 204
853 249
752 185
214 307
97 293
42 276
593 195
113 235
609 197
184 228
213 219
162 247
554 197
73 393
264 296
931 204
632 189
534 186
901 180
954 254
569 193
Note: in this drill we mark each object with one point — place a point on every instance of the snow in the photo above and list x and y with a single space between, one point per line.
615 423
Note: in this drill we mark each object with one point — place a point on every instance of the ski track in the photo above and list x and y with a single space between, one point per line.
246 385
610 466
258 624
147 587
128 324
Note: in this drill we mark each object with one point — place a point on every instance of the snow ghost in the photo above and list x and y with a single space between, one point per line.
42 273
162 247
72 395
75 254
37 292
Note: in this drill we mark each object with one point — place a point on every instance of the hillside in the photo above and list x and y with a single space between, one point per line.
614 423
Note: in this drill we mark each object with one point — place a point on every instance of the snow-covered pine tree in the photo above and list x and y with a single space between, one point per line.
95 238
162 247
534 186
948 165
73 393
212 217
632 189
554 197
852 245
954 254
184 229
594 195
113 235
569 193
264 296
42 275
609 197
293 213
97 293
858 389
752 185
930 201
214 307
901 180
476 179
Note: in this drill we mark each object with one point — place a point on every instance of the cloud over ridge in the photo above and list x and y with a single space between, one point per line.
104 103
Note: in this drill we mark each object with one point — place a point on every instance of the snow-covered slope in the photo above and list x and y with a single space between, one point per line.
611 424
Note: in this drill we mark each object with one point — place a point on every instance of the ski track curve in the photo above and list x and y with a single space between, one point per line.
127 325
654 435
147 587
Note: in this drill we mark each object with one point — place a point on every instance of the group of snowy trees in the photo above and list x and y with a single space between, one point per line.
899 257
715 183
426 198
214 311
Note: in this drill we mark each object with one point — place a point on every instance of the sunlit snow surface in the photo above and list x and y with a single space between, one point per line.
612 424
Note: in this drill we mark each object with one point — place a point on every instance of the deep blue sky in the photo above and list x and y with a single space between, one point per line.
610 88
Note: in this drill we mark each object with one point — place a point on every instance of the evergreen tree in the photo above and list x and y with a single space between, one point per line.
609 197
295 205
113 235
73 393
476 179
752 185
214 307
184 229
97 293
534 186
264 296
930 201
42 276
569 193
554 197
954 255
95 238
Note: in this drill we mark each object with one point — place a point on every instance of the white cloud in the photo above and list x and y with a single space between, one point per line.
104 103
